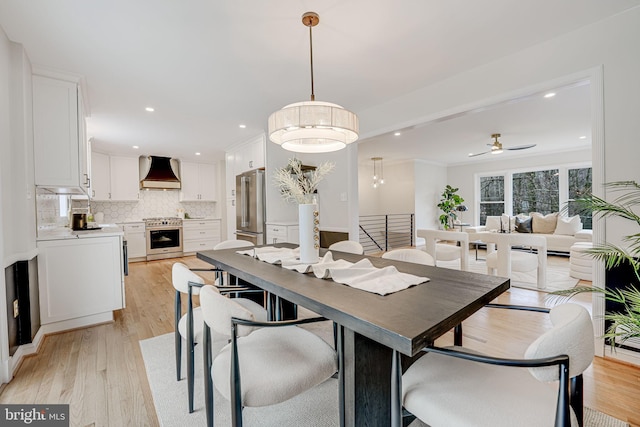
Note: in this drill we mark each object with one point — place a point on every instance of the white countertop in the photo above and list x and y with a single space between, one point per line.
201 218
282 223
60 233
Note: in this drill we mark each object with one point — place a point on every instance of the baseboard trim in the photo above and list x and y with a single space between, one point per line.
79 322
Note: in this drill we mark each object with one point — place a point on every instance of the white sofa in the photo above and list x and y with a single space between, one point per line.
565 234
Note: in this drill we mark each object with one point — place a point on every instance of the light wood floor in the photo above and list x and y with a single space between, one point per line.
99 370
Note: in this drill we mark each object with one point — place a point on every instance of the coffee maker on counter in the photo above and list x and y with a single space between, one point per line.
80 218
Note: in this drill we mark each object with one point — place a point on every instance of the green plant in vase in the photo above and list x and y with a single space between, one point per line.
625 322
448 204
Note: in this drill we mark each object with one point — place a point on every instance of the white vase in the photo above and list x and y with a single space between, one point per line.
308 222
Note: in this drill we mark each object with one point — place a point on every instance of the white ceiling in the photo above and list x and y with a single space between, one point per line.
208 66
558 123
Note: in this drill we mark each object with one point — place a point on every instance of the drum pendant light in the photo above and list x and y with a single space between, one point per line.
313 126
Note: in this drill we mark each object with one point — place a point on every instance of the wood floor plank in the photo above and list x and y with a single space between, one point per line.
101 373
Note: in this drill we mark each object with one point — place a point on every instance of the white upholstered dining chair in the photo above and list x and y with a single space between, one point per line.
189 326
504 260
444 251
266 362
410 255
349 246
456 387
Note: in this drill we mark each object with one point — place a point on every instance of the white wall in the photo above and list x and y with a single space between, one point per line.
17 203
431 180
463 176
395 196
5 145
611 43
337 193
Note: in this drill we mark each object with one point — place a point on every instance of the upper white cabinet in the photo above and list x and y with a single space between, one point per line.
59 138
125 178
230 174
242 158
100 176
249 156
199 182
114 178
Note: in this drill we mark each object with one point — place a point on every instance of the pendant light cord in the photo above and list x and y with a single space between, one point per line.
313 96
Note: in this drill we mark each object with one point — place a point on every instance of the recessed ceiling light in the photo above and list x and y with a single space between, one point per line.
136 147
242 126
150 109
197 154
583 137
397 134
550 95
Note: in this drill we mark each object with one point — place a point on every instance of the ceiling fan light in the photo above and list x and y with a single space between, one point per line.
497 151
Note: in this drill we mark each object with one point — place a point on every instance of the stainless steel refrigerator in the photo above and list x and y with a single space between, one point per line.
250 206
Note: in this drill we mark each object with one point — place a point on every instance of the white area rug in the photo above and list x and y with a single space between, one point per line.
557 276
316 408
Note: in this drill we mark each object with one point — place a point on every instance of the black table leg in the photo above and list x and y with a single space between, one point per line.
367 373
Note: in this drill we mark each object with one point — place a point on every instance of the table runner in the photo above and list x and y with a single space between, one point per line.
361 275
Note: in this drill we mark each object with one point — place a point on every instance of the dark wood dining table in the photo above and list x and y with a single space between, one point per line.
374 325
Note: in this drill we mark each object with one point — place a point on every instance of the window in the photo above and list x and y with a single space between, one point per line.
579 185
536 191
64 206
491 197
544 191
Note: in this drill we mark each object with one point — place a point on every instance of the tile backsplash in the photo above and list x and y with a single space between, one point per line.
151 204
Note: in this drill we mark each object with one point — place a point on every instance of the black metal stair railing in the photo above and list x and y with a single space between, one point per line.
380 233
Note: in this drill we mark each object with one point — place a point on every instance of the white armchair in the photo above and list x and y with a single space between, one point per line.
504 260
457 387
265 363
447 252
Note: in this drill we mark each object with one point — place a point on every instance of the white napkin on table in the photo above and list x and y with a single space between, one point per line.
363 275
271 254
320 268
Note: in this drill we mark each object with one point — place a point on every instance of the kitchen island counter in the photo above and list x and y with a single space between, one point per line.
61 233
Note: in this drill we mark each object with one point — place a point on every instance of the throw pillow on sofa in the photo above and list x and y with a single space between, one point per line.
492 223
568 226
523 224
544 224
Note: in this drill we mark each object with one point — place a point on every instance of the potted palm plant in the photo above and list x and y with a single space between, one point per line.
448 205
625 321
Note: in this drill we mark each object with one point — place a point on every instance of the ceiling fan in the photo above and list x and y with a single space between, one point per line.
496 147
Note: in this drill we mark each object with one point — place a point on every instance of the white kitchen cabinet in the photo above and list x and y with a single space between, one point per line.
100 176
125 178
230 175
241 158
249 155
200 234
199 182
231 218
80 280
135 235
114 178
61 159
278 232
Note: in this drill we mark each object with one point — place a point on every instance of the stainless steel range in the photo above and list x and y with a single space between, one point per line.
164 238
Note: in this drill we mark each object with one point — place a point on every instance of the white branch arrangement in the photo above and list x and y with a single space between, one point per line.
296 186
